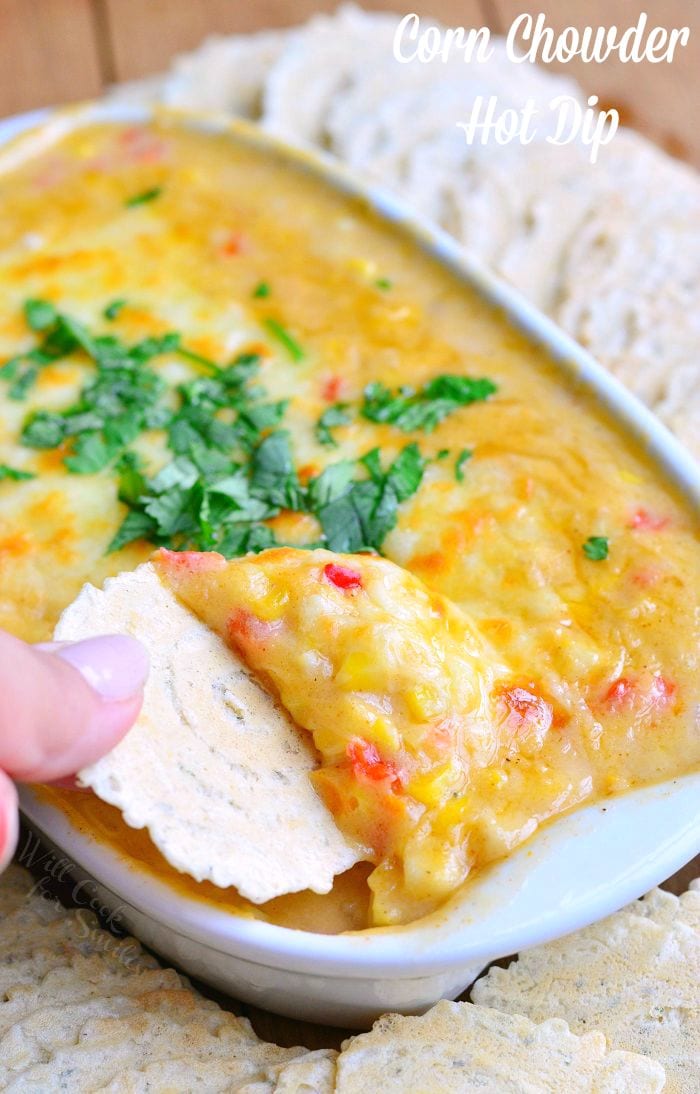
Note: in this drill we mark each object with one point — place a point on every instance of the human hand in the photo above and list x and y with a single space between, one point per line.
62 706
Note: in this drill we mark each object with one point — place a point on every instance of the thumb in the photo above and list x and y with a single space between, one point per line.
64 706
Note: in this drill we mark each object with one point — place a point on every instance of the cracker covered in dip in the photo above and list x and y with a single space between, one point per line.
213 768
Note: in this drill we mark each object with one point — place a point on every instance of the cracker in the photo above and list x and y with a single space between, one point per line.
29 952
630 282
305 1074
336 50
35 1040
109 1047
81 980
214 768
226 74
310 1074
634 976
22 933
76 1017
461 1047
16 877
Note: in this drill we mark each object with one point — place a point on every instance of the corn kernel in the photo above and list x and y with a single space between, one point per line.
452 814
424 702
385 735
359 672
630 477
367 267
271 606
434 866
431 788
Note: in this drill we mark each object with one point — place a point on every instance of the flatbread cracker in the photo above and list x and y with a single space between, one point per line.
460 1047
232 76
310 1074
214 768
82 980
106 1047
182 1075
634 976
630 280
75 1017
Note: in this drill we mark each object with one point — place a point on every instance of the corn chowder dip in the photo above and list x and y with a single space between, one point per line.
204 349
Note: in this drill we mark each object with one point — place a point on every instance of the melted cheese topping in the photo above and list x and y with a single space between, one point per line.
612 647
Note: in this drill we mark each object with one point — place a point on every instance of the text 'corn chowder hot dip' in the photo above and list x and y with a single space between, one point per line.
474 600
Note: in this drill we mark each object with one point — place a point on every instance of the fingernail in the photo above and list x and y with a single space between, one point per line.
114 665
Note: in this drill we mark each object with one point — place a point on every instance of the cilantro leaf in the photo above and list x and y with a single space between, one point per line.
43 429
333 481
261 291
465 454
144 197
114 308
91 453
132 483
411 410
282 335
26 380
273 475
13 474
39 314
406 472
246 538
335 415
136 525
360 517
596 548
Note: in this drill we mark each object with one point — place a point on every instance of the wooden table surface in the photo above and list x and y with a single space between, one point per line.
54 51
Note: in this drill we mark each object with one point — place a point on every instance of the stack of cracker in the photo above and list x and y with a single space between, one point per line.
609 249
84 1011
608 1010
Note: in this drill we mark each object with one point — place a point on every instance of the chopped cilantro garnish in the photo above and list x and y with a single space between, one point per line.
19 390
384 284
273 475
596 548
334 416
113 309
132 483
285 339
136 525
261 291
360 516
232 467
465 454
443 454
40 314
14 474
424 409
197 359
144 197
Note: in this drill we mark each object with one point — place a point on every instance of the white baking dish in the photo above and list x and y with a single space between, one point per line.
575 870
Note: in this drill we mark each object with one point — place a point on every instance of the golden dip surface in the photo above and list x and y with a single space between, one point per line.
177 303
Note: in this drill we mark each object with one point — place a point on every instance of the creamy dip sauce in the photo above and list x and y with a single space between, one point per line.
609 637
